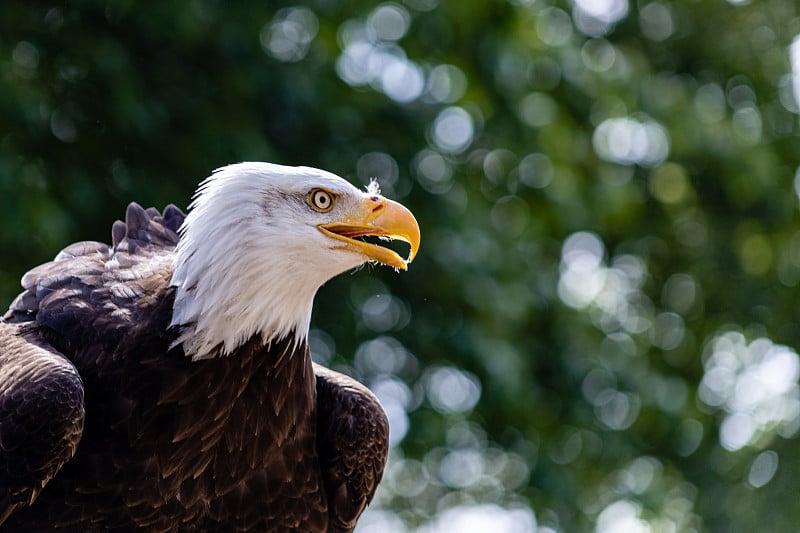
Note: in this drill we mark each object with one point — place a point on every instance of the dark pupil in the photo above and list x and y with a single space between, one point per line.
322 199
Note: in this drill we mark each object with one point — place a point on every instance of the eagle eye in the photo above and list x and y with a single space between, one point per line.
321 200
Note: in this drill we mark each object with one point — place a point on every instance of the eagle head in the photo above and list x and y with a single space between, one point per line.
259 241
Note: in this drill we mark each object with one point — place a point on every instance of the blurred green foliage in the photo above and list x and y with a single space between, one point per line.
600 331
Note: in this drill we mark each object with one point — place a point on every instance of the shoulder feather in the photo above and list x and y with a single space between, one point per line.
147 229
95 293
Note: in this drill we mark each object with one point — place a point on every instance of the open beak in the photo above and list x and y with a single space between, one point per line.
377 217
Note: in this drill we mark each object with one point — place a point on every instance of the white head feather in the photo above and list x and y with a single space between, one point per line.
250 257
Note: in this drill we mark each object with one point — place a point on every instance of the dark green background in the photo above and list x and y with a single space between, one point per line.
628 318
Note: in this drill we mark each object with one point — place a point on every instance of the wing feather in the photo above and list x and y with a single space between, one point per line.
41 415
352 443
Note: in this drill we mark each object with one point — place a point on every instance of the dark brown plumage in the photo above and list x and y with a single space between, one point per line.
104 424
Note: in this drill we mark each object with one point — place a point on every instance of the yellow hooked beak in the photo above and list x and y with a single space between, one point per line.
377 217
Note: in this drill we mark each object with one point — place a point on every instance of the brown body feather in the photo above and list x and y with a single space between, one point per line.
253 441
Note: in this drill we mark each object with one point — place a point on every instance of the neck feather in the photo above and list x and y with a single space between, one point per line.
228 291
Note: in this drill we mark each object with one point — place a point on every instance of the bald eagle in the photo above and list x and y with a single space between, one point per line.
164 383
